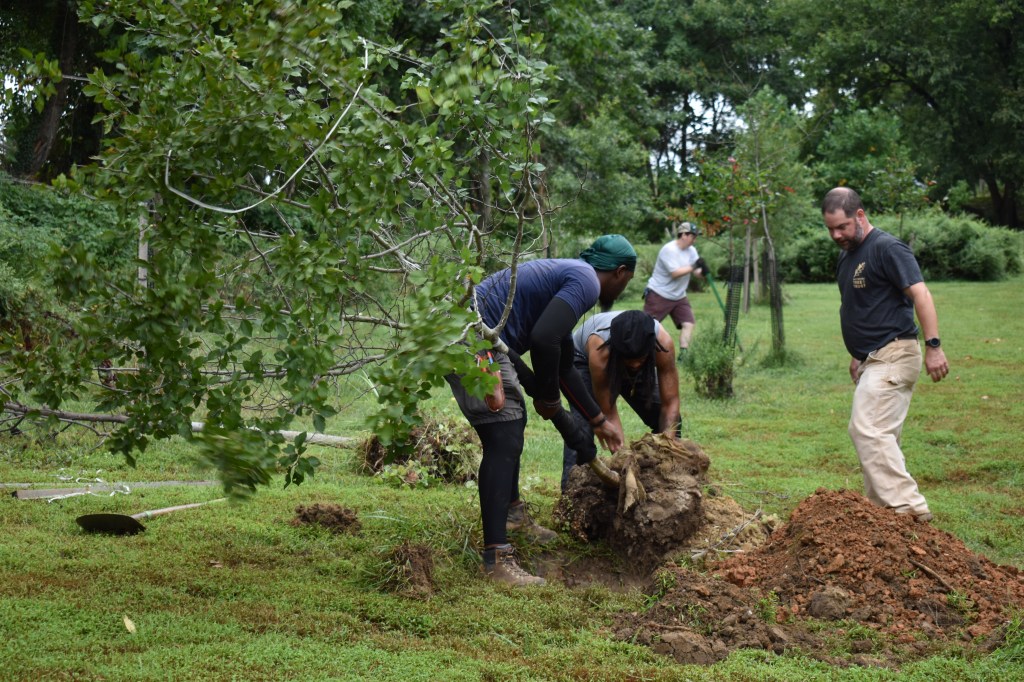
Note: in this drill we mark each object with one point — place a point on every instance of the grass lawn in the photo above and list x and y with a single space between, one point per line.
235 592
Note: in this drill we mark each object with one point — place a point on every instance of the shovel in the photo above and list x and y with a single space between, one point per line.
122 524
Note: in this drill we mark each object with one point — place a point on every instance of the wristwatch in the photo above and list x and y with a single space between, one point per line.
933 342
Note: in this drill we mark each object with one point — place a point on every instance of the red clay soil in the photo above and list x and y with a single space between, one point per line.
844 581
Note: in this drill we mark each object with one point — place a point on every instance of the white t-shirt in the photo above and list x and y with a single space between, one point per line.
670 258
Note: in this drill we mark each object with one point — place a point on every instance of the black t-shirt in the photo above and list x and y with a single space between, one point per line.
871 281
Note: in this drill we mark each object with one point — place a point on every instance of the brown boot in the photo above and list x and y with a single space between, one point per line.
519 520
501 565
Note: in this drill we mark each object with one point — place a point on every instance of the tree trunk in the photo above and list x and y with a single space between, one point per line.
1004 203
746 271
66 35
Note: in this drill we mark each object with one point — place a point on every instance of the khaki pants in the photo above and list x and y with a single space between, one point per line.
880 405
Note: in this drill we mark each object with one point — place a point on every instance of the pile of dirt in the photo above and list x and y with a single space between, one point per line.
894 588
655 510
331 516
842 557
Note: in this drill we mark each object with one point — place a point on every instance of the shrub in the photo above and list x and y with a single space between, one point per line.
809 255
711 362
33 219
947 247
958 247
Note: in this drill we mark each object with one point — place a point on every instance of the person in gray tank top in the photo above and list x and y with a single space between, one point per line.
627 353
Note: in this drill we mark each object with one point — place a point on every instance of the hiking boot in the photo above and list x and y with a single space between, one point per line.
501 565
519 520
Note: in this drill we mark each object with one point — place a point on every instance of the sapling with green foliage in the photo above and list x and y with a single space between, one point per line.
393 168
711 362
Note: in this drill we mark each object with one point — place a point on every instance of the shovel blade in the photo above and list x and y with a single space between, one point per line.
112 524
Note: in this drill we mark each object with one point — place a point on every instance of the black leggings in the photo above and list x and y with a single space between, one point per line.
499 475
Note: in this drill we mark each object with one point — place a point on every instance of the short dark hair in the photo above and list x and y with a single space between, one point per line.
842 199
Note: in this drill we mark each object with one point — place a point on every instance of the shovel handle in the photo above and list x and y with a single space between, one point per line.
167 510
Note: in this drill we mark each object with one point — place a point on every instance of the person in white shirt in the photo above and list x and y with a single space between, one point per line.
665 294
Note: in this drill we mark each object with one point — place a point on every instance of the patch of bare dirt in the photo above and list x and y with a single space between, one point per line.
844 580
330 516
889 587
410 571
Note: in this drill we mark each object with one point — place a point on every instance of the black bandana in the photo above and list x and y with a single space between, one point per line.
632 334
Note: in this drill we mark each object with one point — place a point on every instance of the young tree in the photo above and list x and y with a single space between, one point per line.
317 202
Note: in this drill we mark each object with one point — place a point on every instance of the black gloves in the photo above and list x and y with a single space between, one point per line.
701 265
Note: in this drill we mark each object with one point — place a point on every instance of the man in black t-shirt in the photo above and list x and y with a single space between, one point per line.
881 288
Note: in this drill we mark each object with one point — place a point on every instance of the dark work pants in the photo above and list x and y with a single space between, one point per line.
499 475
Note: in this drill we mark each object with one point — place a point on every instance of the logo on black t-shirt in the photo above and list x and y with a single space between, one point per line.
858 280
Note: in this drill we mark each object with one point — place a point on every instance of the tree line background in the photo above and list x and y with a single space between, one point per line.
256 202
909 104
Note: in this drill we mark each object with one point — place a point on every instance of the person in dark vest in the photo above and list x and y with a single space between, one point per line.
627 354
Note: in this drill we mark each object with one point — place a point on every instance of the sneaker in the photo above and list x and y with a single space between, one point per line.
501 565
519 520
682 355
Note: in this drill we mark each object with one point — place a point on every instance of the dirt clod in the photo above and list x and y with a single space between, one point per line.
671 473
331 516
410 571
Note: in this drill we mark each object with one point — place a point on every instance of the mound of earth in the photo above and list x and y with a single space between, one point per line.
842 557
655 510
896 589
332 517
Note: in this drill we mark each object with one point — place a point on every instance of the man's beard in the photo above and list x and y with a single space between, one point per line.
853 242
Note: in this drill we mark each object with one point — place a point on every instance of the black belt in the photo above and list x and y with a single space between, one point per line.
897 338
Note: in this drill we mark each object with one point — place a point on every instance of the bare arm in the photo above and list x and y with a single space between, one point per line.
610 433
934 358
668 384
685 270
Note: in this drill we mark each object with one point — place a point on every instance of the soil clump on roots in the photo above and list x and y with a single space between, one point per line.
656 509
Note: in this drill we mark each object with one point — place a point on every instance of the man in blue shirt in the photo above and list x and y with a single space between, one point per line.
551 295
